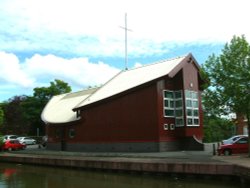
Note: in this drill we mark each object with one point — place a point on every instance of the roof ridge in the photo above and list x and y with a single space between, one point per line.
157 62
74 94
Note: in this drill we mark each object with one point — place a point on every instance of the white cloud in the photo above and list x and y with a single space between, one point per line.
137 64
39 69
91 28
77 71
11 71
83 28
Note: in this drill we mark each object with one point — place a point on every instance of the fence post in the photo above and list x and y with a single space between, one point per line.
214 149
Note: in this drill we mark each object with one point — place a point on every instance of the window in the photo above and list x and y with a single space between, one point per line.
179 122
173 106
165 126
78 113
179 109
242 141
192 108
172 127
72 133
169 104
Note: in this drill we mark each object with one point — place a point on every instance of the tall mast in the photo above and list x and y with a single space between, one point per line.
126 41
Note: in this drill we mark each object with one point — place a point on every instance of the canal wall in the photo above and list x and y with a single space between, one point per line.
141 165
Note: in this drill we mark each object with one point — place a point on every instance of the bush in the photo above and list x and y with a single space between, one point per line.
1 142
217 129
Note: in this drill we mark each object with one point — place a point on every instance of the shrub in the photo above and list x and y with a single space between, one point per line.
1 142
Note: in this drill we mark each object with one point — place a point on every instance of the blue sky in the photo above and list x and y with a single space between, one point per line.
81 42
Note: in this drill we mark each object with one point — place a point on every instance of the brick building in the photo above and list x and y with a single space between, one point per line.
156 107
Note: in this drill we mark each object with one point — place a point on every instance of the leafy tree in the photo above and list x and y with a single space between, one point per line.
1 142
1 116
1 124
22 114
33 106
14 123
32 109
217 129
57 87
229 75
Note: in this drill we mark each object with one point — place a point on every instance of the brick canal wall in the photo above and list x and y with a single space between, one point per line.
144 165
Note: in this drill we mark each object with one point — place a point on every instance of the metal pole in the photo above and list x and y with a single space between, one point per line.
126 50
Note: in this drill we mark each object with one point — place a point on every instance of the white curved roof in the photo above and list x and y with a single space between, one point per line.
59 108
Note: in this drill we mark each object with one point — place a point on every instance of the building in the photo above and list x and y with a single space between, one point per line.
241 124
152 108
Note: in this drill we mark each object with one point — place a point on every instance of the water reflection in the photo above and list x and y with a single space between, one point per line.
25 176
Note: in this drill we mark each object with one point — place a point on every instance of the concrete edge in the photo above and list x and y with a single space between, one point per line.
130 164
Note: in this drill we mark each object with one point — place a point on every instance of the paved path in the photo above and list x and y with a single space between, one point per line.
178 156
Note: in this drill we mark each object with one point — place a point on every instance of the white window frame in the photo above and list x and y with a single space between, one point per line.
193 97
165 127
174 100
172 126
179 108
169 100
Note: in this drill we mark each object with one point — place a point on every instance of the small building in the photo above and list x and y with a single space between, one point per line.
156 107
241 124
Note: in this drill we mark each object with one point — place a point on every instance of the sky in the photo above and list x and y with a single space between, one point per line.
82 42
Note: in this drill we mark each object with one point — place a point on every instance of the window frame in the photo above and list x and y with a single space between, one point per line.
180 117
72 130
192 105
168 107
177 98
165 126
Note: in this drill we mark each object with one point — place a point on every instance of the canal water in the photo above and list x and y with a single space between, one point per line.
26 176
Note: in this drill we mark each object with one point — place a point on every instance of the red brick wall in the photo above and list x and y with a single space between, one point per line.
128 118
190 80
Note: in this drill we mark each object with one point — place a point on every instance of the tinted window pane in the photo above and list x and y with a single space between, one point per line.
72 133
178 103
189 103
178 113
188 94
178 94
169 113
166 103
190 121
179 122
196 113
196 121
171 104
189 112
169 94
194 95
195 104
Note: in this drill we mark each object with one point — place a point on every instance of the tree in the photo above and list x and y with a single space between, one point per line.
33 106
14 123
1 124
57 87
22 114
229 75
217 128
1 116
